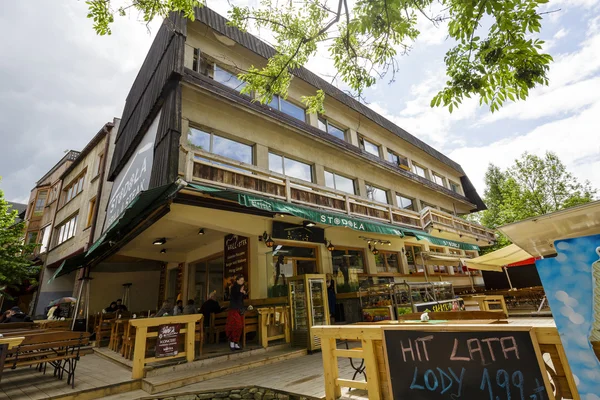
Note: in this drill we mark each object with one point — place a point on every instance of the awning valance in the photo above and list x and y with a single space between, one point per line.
448 260
495 260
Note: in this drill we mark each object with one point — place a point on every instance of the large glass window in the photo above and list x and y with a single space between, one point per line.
397 159
377 194
221 146
74 188
31 237
424 204
288 108
228 79
440 180
369 147
455 187
328 127
417 169
405 202
347 264
387 261
287 166
413 258
45 238
339 182
40 203
287 261
439 269
66 230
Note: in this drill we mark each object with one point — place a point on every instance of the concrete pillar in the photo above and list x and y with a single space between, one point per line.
352 137
262 156
313 119
319 175
362 188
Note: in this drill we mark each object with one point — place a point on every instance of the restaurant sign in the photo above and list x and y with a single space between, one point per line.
134 177
167 342
235 255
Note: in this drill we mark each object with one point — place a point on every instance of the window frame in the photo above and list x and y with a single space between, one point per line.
45 246
361 142
435 175
98 164
354 185
279 99
67 229
385 262
283 157
452 184
347 249
212 133
386 191
38 213
91 209
327 123
412 246
74 188
425 171
437 269
424 205
413 202
398 157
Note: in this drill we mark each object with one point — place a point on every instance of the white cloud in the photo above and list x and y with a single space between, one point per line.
561 34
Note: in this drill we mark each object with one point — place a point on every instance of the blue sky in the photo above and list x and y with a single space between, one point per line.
58 93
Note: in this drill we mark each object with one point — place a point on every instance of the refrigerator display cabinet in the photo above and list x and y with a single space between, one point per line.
309 308
427 296
377 303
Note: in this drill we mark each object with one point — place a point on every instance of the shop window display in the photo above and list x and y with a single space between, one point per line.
285 262
347 264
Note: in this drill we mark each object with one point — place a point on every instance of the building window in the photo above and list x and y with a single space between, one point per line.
377 194
91 209
422 172
369 147
287 166
413 258
405 202
74 188
398 160
53 195
66 230
457 268
227 78
339 182
288 108
333 130
425 204
438 269
98 164
447 211
455 187
31 237
347 264
44 238
387 261
440 180
472 254
221 146
40 203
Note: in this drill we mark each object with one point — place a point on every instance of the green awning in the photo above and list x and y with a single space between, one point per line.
144 204
309 214
443 242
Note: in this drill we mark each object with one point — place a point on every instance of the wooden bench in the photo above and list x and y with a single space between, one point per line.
62 350
217 326
17 325
250 319
103 327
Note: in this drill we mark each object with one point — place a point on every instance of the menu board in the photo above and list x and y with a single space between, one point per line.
235 256
167 341
494 364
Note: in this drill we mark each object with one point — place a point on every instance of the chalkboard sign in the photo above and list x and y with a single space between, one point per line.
428 364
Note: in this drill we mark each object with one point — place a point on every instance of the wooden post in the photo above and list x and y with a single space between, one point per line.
288 190
371 369
330 367
567 370
190 335
139 353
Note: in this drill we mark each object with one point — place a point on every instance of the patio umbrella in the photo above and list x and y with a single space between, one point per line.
63 300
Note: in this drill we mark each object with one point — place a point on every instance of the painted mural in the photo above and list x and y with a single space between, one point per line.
572 284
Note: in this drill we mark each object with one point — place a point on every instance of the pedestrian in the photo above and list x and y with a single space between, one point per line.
235 322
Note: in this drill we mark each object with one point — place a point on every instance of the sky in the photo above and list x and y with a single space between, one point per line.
60 83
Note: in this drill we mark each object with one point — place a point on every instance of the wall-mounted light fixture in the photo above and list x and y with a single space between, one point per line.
308 224
375 241
201 231
269 242
330 247
159 242
373 250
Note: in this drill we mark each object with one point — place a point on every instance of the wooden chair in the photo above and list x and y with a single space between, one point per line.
250 324
217 326
104 327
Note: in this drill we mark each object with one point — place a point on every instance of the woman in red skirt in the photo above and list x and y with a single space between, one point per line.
235 322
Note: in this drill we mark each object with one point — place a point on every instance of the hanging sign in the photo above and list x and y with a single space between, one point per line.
479 363
167 342
235 258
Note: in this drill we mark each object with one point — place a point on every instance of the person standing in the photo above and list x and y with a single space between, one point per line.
235 322
331 297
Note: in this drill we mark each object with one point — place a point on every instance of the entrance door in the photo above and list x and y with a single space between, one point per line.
208 277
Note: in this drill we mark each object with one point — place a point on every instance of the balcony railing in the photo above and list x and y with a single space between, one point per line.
204 167
436 219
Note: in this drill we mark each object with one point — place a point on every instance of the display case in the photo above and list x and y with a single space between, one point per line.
309 308
377 303
434 296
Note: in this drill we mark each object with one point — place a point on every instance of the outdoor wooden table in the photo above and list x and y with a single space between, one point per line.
7 344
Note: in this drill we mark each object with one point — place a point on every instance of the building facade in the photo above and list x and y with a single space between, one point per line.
200 169
77 207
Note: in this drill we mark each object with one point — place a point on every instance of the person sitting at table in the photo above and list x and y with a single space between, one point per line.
166 309
178 309
121 306
4 316
112 308
190 308
210 306
16 315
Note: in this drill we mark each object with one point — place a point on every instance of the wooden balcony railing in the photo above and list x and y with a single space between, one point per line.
437 219
205 167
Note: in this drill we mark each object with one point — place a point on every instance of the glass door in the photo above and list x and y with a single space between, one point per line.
319 316
298 296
